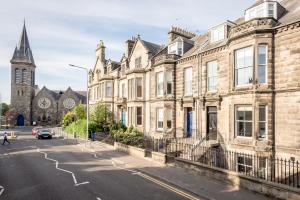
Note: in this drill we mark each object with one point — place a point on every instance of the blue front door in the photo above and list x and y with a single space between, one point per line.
20 120
189 122
123 117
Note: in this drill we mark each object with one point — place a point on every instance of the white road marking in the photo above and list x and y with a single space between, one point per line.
98 198
56 166
1 190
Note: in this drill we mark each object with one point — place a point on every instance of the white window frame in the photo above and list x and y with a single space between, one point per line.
244 67
141 115
244 164
188 83
108 93
169 74
244 121
160 84
217 33
169 113
262 65
212 75
159 119
136 87
263 121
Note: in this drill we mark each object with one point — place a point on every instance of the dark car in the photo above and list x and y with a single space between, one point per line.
43 133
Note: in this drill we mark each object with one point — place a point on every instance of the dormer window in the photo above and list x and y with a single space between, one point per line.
176 48
265 9
217 34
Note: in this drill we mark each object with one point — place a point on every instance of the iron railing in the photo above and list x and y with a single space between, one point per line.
269 168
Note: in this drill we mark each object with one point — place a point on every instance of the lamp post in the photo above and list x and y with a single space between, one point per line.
87 99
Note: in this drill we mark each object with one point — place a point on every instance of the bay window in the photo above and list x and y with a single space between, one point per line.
108 89
212 69
160 83
262 63
188 80
262 126
169 81
130 89
139 116
160 118
169 118
243 121
139 87
243 66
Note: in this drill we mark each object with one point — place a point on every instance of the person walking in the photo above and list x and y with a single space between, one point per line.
5 139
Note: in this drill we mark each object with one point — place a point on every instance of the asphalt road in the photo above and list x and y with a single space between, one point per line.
32 169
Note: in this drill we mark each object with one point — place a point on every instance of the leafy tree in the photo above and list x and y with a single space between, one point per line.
101 115
4 108
68 119
80 112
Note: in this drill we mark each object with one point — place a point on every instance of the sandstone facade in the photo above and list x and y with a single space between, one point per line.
236 86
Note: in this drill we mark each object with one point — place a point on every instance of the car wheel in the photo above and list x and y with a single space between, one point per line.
50 137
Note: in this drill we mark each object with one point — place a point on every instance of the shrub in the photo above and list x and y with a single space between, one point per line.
68 119
80 112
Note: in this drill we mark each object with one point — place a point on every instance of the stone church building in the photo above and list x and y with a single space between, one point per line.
29 104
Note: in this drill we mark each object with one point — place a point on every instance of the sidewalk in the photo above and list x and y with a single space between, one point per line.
189 181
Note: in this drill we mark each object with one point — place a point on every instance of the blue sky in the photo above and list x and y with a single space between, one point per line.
67 31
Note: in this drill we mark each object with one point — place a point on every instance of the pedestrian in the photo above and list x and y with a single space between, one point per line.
5 139
94 136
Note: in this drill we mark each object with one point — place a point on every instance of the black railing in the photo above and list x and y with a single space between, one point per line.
271 169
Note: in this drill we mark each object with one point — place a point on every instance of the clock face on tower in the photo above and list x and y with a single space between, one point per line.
69 103
44 103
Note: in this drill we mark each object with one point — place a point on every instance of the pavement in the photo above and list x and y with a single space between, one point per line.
63 169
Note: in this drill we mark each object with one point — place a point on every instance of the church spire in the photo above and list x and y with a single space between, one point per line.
22 51
23 41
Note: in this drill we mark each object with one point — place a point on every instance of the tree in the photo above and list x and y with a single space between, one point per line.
68 119
4 108
80 112
101 115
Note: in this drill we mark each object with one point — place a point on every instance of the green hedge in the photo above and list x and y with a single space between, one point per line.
131 136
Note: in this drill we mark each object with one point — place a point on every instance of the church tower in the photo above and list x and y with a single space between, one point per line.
22 82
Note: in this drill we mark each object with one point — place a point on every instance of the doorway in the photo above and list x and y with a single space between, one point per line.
20 120
189 122
212 128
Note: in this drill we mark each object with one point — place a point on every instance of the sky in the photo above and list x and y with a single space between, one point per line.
63 32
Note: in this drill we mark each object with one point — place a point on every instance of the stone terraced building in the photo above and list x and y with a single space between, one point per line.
235 87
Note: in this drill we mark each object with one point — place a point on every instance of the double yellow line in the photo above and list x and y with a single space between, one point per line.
171 188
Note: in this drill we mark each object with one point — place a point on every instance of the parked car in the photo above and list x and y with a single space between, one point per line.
43 133
35 130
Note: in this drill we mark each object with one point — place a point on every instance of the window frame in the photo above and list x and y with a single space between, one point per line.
169 113
263 121
107 83
167 82
244 164
244 121
139 115
158 110
213 88
158 74
265 65
137 87
185 92
138 62
244 68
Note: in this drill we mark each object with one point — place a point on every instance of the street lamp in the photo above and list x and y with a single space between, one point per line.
87 99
